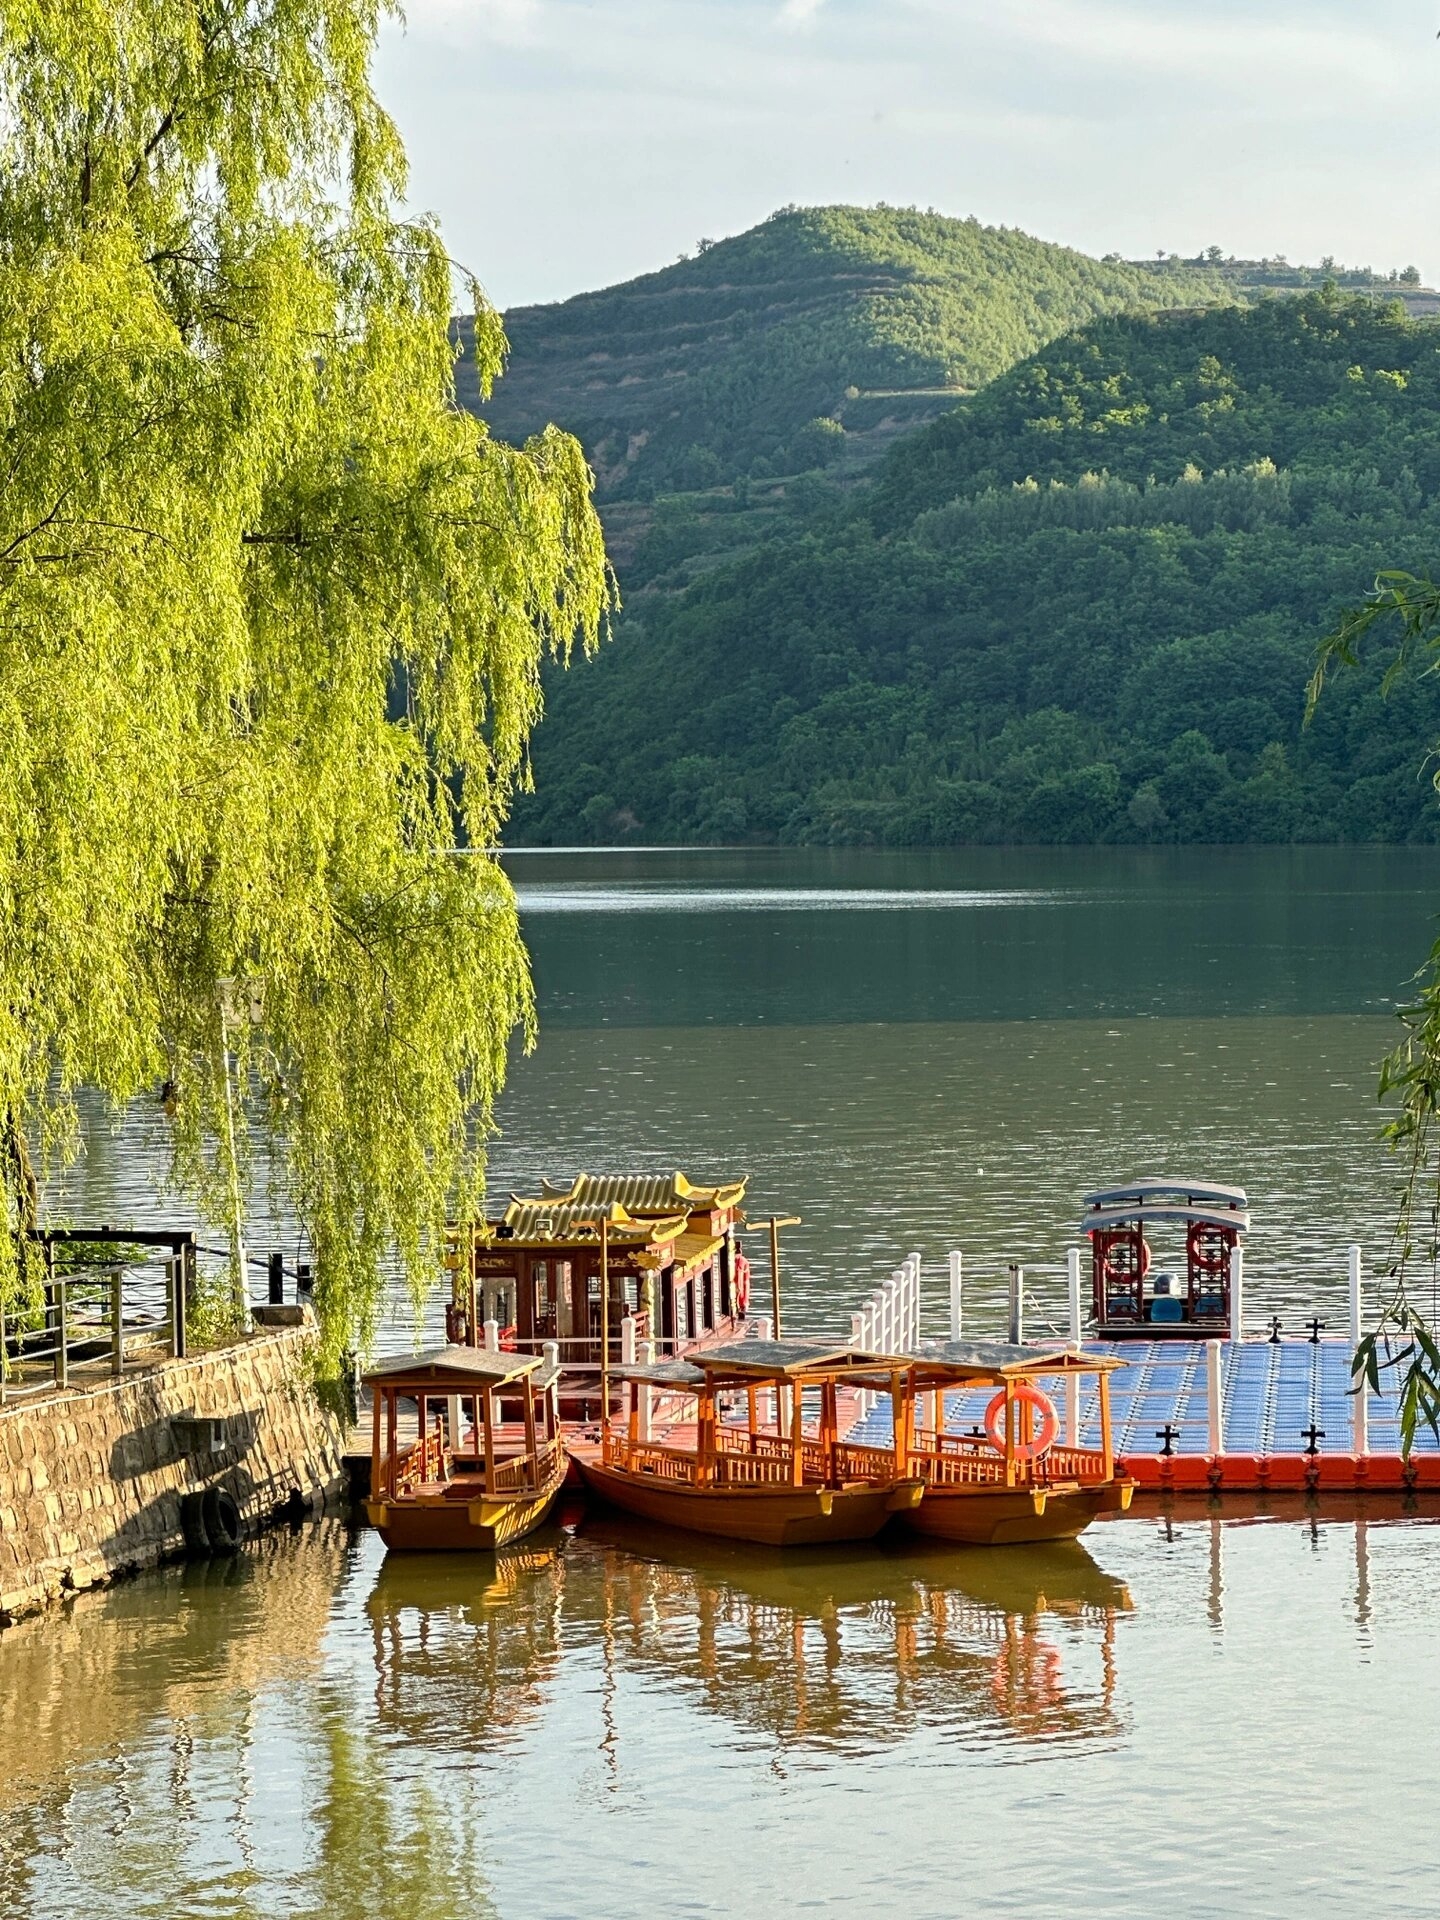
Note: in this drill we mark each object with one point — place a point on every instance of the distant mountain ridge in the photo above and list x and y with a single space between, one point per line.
1081 607
807 343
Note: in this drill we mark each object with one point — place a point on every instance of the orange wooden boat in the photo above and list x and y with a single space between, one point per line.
782 1477
1013 1482
464 1482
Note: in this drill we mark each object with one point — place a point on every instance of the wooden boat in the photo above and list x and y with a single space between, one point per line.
470 1478
1011 1482
1131 1297
769 1480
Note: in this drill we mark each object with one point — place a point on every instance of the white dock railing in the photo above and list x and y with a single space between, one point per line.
889 1322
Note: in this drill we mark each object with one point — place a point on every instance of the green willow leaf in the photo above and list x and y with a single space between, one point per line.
272 616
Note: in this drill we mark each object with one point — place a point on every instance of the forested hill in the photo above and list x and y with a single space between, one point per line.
1082 607
807 340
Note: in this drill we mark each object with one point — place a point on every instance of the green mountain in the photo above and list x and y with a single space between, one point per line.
806 345
1081 606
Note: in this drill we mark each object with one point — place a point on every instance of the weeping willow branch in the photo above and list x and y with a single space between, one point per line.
1404 1342
283 512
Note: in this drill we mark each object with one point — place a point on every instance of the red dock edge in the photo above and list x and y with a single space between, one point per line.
1279 1472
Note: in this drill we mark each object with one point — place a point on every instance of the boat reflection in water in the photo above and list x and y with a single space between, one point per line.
837 1650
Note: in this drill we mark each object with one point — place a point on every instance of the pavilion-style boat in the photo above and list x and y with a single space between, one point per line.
1009 1481
487 1461
770 1478
1133 1299
573 1267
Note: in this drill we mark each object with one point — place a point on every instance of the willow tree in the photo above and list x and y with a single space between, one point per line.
272 613
1406 1341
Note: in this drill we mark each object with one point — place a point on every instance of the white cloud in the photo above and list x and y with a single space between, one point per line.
571 143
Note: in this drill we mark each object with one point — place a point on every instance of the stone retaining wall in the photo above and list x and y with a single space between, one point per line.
91 1479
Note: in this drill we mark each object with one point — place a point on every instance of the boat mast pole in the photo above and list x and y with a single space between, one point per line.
775 1226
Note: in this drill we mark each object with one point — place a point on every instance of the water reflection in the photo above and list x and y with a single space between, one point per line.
464 1644
315 1730
838 1652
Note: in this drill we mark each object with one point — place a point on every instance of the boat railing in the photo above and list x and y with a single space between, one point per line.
420 1463
525 1473
864 1463
962 1459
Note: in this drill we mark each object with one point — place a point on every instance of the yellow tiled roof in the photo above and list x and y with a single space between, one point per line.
555 1221
646 1193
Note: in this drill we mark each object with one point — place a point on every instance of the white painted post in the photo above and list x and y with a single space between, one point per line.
1355 1327
550 1354
1237 1294
912 1329
1072 1277
492 1336
1017 1305
1214 1395
452 1421
957 1316
647 1358
1360 1419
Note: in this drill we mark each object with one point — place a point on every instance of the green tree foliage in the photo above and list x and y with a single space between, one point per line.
732 363
1407 607
1081 606
272 610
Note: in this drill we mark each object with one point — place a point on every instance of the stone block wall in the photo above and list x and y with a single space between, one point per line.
91 1479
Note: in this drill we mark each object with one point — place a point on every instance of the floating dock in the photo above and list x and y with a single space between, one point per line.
1287 1419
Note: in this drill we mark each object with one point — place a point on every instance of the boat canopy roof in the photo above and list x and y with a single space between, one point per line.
1233 1219
678 1374
786 1359
997 1360
1198 1192
646 1193
460 1367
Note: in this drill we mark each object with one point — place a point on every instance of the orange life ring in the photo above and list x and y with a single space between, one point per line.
1041 1404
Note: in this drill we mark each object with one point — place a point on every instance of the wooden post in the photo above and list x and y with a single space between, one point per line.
647 1359
375 1489
750 1414
788 1220
530 1442
117 1320
704 1437
1106 1444
1214 1398
957 1316
604 1322
775 1273
897 1417
1237 1294
392 1418
797 1434
489 1438
1010 1430
238 1278
62 1323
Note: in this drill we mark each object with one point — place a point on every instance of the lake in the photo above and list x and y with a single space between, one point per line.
1203 1712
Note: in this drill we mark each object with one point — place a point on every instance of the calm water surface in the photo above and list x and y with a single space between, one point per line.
1185 1715
937 1050
1182 1716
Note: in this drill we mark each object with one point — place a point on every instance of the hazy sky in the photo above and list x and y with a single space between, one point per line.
568 144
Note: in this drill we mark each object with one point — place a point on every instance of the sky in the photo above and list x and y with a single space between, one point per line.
570 144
